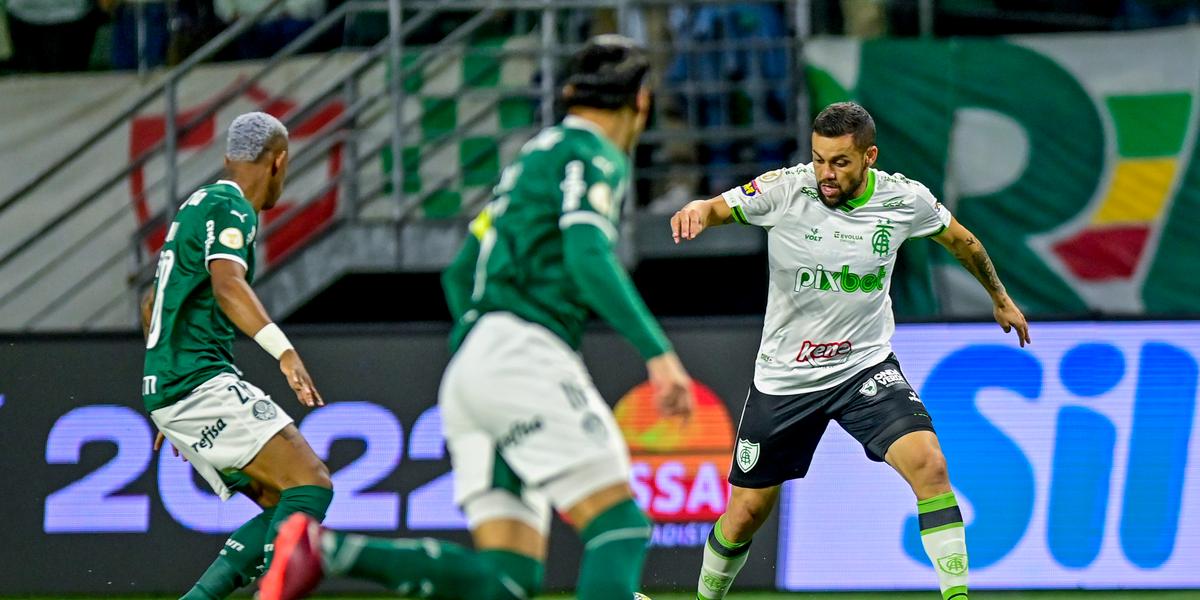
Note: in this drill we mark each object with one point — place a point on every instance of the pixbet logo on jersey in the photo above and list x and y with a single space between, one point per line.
844 280
824 354
679 470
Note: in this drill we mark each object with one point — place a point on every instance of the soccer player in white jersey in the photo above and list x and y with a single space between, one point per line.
834 226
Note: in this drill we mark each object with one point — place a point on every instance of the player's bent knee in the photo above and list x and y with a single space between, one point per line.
590 483
313 470
263 496
751 506
927 472
321 476
933 466
314 476
322 479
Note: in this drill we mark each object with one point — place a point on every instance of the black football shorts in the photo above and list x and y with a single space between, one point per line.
778 435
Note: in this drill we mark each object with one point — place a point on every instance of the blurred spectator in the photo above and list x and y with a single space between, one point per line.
670 166
1142 14
864 18
726 49
126 45
52 35
284 24
193 24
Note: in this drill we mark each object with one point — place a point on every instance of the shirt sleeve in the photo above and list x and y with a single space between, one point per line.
229 232
607 289
930 217
458 278
762 201
591 207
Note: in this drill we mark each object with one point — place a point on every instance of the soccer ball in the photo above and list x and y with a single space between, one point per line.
640 596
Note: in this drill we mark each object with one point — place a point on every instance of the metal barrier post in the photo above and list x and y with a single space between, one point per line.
171 148
396 88
803 111
925 11
350 170
549 52
139 13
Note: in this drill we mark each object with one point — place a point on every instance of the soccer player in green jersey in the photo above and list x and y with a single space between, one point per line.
833 228
525 426
231 432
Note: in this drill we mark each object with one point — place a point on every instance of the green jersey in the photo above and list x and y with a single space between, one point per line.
543 248
190 339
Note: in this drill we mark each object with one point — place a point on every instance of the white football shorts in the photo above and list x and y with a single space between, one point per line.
520 413
221 426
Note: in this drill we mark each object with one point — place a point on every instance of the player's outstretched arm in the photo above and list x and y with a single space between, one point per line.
239 302
698 215
971 254
607 289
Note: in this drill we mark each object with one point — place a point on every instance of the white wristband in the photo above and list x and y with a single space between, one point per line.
271 338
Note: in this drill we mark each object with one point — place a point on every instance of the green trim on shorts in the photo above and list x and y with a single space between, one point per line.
504 478
235 479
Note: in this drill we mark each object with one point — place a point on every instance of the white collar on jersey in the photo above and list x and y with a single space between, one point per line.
234 184
578 122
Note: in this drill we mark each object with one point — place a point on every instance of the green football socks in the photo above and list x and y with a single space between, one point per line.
722 561
614 548
312 500
239 562
945 541
428 568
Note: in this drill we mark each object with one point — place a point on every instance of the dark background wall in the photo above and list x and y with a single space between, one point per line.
75 454
1075 458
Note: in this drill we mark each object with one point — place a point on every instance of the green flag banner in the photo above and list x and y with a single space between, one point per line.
1072 157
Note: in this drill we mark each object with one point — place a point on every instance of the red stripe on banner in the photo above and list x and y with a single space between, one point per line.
1104 253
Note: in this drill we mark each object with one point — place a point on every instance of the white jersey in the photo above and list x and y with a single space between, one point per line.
828 311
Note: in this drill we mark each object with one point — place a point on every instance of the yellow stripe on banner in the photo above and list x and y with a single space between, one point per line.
1138 192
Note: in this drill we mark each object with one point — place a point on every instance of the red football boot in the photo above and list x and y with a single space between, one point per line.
296 569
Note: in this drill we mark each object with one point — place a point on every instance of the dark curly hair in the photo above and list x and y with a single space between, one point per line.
846 117
606 73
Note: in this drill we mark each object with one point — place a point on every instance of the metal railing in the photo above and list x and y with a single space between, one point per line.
165 90
363 110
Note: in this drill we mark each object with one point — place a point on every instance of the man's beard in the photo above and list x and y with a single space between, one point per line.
842 196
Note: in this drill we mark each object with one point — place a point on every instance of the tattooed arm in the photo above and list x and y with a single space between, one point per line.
971 254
